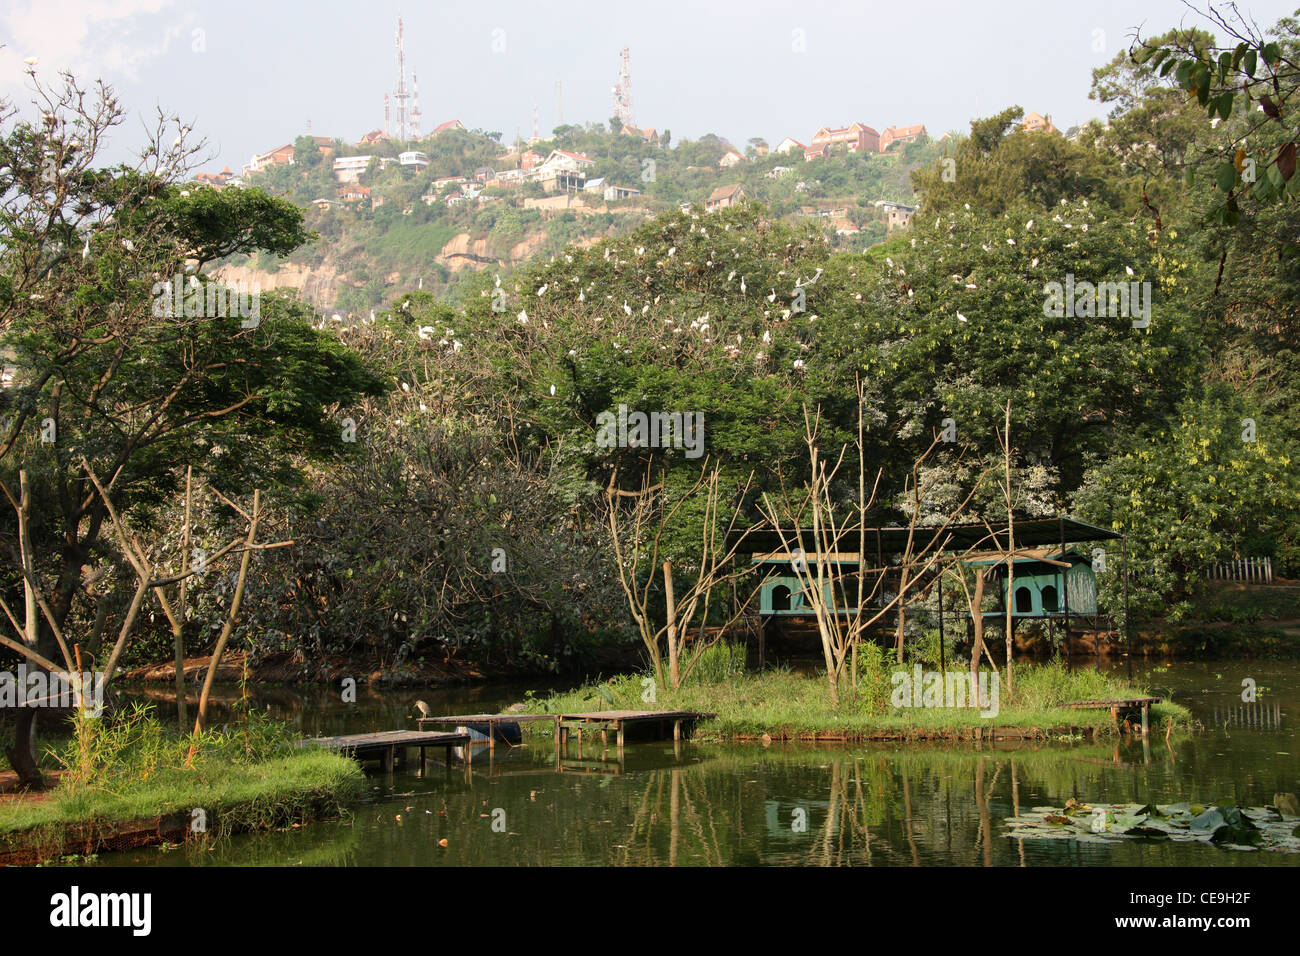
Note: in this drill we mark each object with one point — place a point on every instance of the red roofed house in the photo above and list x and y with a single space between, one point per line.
730 158
528 159
562 171
216 180
280 156
373 137
354 193
789 144
856 137
443 127
325 145
900 134
816 152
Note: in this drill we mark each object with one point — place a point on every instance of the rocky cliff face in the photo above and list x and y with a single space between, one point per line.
319 286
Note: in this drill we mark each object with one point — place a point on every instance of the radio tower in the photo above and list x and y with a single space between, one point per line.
535 136
559 103
388 131
400 94
623 93
415 106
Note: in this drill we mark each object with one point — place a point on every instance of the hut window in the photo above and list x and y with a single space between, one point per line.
780 598
1049 599
1024 601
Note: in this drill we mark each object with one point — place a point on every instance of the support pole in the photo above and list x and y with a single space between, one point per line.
943 666
1128 634
1065 590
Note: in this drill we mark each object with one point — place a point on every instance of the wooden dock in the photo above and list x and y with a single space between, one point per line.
386 745
682 722
492 721
1119 706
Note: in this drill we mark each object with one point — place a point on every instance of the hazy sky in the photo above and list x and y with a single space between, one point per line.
251 74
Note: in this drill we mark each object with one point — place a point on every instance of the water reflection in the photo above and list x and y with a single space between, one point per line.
696 804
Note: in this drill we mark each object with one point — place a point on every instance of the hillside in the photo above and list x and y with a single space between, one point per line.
461 203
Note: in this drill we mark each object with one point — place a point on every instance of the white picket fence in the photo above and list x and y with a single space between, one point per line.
1242 569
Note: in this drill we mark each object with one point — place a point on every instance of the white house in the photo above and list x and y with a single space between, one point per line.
730 158
348 169
789 144
561 161
413 157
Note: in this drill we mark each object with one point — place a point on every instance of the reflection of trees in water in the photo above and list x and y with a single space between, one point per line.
892 809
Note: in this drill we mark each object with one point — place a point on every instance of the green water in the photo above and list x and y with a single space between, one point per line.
722 804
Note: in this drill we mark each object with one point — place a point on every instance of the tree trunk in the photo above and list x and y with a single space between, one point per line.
673 675
231 616
977 646
22 755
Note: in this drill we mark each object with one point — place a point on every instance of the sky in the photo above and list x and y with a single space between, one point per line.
252 75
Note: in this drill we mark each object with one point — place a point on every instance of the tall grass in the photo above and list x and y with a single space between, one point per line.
780 702
129 767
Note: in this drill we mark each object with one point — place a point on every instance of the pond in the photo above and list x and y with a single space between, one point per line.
746 804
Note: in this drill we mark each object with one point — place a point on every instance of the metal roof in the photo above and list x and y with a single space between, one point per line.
1029 532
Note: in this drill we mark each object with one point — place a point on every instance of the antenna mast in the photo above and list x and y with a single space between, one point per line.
623 92
415 106
400 94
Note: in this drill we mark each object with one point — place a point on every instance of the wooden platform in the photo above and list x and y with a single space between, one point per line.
492 721
621 720
385 745
1118 706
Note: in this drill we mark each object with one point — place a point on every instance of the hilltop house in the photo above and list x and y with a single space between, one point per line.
374 137
730 158
280 156
354 193
649 135
723 197
562 170
900 134
325 145
560 159
450 124
789 145
215 180
897 215
348 169
856 138
1038 123
413 157
816 152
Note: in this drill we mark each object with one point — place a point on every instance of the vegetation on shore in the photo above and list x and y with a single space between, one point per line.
247 777
783 704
